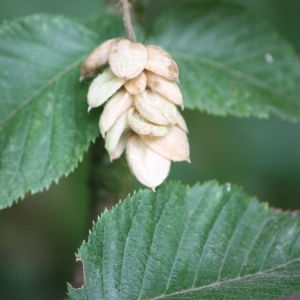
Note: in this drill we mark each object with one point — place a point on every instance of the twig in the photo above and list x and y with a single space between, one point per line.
127 20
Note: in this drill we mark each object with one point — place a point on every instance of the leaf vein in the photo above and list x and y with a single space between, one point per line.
251 246
220 283
22 156
237 226
216 218
274 239
151 246
181 238
126 243
41 89
51 134
234 73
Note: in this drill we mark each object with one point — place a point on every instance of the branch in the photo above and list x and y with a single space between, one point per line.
127 19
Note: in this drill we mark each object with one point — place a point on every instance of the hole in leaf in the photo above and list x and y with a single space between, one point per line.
291 297
78 281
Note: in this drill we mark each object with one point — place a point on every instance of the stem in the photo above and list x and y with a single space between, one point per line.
108 181
102 195
127 20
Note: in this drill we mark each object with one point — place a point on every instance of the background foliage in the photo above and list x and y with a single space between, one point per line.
261 155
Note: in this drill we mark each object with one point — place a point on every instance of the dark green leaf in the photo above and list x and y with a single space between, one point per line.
204 242
44 125
230 62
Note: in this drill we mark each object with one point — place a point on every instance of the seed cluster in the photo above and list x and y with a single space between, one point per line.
139 86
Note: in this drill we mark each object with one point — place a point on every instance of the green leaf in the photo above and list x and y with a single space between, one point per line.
201 242
230 62
44 125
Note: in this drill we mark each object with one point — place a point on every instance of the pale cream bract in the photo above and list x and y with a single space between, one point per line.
139 85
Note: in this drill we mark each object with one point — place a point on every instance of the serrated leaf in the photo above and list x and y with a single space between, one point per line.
230 62
203 242
44 125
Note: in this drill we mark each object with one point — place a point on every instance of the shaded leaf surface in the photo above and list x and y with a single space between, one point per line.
44 125
203 242
230 62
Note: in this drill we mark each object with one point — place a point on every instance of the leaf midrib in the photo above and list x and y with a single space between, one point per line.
41 89
220 283
235 73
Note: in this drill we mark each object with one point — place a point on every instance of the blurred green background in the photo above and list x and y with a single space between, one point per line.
39 235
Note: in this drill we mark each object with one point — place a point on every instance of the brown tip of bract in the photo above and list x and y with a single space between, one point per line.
127 59
166 88
161 63
96 59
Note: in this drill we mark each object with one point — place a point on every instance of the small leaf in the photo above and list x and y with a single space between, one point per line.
230 62
44 125
203 242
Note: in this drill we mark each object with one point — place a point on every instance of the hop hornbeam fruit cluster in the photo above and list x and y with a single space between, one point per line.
139 84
